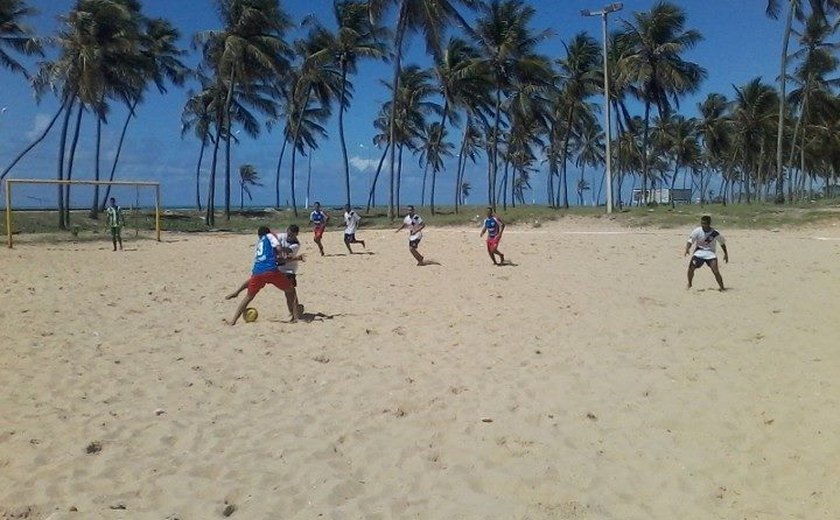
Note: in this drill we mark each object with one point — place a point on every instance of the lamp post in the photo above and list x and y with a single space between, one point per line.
603 13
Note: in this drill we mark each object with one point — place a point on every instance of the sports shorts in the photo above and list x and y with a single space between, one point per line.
275 278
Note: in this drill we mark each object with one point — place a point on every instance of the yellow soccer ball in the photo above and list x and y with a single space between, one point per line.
251 315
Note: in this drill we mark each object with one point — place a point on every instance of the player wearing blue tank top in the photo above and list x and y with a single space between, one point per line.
494 227
319 219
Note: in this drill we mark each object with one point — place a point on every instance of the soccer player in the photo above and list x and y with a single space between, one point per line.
116 221
494 227
415 226
704 238
319 220
351 223
265 271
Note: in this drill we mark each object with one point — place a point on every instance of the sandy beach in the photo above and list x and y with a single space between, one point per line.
582 382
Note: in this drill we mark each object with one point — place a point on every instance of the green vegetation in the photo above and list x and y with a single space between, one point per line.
141 223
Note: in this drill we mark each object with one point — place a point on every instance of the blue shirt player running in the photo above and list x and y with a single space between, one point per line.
319 220
494 227
265 271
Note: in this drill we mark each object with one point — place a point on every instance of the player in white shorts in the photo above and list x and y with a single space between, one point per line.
704 240
415 226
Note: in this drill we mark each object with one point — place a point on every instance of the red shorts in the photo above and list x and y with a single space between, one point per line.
319 232
275 278
493 243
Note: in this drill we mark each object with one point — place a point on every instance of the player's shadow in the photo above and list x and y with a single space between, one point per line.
309 317
363 253
507 263
427 263
334 254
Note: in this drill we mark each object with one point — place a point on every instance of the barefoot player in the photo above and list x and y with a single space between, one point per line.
351 224
704 239
415 226
265 271
494 227
319 220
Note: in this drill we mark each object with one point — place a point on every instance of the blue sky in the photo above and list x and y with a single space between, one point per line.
740 43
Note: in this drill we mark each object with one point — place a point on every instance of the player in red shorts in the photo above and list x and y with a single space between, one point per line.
319 219
494 227
265 272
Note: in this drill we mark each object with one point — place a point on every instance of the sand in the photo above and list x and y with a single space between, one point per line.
583 382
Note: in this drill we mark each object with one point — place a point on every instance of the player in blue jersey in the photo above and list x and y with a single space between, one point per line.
319 220
494 227
265 271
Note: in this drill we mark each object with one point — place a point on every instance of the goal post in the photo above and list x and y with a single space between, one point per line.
136 184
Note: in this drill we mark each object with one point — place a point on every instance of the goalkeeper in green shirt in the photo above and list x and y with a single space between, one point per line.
115 221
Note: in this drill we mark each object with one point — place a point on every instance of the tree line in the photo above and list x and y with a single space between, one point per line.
490 97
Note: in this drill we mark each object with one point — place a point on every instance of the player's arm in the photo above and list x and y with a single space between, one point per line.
400 228
483 230
326 219
421 228
688 247
501 226
725 253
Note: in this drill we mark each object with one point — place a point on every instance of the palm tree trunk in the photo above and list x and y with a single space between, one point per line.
494 160
423 189
94 208
399 178
461 159
432 197
35 142
210 215
673 183
376 177
780 182
241 196
277 174
117 155
228 135
645 165
295 138
292 186
71 162
392 124
61 149
512 189
341 132
564 158
308 178
198 173
580 184
792 156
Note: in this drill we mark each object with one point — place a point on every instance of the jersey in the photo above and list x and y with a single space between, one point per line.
115 216
290 247
319 218
351 222
265 254
491 224
706 242
414 224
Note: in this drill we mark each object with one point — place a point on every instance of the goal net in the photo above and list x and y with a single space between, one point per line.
64 210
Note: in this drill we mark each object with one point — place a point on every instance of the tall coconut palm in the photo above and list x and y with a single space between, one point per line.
753 113
713 130
97 61
248 51
198 115
16 36
357 37
433 150
590 149
160 62
655 66
795 9
678 138
508 47
579 77
429 17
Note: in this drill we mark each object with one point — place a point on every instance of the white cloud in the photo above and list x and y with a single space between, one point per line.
363 164
42 121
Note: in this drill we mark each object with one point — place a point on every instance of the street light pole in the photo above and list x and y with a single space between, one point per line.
603 13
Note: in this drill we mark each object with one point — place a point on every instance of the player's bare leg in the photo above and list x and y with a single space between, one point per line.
236 292
691 270
320 247
416 254
292 304
714 266
242 306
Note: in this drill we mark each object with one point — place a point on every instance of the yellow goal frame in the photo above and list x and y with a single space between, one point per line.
10 182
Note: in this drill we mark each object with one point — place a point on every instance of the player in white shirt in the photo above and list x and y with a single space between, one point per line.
704 240
351 224
415 226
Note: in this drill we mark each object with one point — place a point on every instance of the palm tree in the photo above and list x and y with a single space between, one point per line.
159 54
795 9
430 17
580 76
465 189
97 61
752 117
198 115
248 177
713 130
16 35
433 151
678 139
591 149
470 146
655 67
356 37
248 52
508 50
